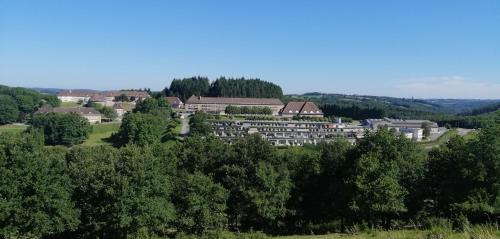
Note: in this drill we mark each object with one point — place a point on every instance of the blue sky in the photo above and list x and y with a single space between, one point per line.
419 48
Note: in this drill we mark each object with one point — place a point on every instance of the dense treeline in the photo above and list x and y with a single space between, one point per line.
365 107
202 184
484 110
61 129
185 88
223 87
352 111
246 88
17 103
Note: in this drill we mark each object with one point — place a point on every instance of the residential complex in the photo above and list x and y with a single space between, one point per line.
106 98
217 105
92 115
287 132
410 128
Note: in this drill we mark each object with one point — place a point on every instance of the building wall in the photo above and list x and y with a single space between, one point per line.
73 98
93 119
221 108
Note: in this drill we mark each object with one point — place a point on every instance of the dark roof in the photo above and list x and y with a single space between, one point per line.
295 107
77 93
78 110
173 100
98 97
233 101
128 93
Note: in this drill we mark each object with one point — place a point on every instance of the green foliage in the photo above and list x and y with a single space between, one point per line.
185 88
121 192
246 88
255 110
385 170
34 187
200 203
141 129
8 110
108 112
223 87
159 107
122 98
62 129
465 176
17 103
258 182
199 124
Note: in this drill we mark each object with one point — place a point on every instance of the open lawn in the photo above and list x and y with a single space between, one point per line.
13 128
100 132
441 140
70 104
476 232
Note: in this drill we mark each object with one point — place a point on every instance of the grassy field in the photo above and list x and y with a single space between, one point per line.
70 104
441 140
100 132
13 128
476 232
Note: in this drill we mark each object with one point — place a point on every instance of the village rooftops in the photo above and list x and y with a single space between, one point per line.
233 101
79 110
301 108
77 93
128 93
92 93
173 100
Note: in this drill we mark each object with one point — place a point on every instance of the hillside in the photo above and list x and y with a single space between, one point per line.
363 106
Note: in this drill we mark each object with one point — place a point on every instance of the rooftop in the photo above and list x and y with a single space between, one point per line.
78 110
233 101
301 107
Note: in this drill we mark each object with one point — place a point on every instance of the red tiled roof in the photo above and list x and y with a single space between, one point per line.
295 107
77 93
233 101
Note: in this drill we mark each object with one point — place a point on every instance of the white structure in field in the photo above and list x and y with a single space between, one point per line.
412 129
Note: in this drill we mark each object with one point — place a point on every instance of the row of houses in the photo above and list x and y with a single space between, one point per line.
89 113
288 133
412 129
217 105
105 98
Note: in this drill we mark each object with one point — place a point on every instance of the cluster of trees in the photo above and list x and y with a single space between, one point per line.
352 111
223 87
185 88
149 122
107 111
254 110
17 103
61 129
484 110
202 184
241 87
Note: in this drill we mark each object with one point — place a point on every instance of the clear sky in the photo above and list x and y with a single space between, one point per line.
419 48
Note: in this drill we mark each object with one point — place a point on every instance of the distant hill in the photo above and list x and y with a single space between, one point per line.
484 110
460 106
364 106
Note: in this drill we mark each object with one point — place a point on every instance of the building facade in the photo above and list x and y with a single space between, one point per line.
92 115
292 133
217 105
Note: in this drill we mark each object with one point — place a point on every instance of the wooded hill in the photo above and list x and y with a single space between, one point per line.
223 87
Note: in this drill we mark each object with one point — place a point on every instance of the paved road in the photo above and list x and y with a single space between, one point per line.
185 125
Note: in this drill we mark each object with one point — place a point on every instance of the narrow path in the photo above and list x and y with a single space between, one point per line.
185 125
